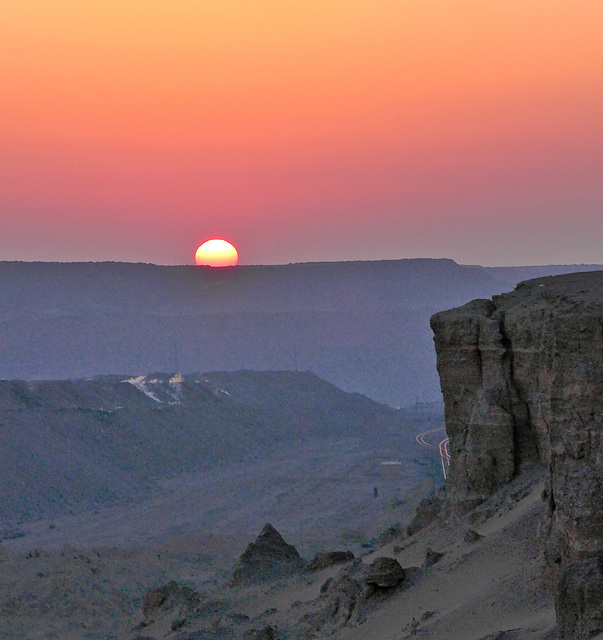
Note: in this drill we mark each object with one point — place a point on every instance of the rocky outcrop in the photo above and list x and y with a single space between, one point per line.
432 557
522 379
427 511
346 597
169 598
328 559
341 603
269 557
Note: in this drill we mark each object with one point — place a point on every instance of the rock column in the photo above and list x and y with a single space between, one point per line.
522 380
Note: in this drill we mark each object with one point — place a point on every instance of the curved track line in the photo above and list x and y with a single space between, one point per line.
444 455
442 447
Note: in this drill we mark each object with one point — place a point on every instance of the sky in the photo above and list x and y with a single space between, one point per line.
300 131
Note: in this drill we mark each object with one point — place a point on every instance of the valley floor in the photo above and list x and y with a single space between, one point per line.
485 586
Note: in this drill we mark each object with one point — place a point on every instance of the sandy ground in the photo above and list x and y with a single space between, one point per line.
84 575
496 584
494 587
319 493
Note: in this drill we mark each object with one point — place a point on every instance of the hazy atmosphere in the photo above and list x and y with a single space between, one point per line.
302 131
301 309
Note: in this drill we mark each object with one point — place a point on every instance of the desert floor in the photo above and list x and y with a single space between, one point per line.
85 575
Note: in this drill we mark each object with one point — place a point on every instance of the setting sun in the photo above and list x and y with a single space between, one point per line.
216 253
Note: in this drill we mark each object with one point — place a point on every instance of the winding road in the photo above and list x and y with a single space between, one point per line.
430 440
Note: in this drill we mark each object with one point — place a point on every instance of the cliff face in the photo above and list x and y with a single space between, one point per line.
522 379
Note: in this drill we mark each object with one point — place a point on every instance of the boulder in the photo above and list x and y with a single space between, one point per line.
384 573
427 512
266 633
432 557
472 536
340 604
170 597
328 559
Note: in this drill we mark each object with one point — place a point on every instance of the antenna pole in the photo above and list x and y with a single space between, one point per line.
175 355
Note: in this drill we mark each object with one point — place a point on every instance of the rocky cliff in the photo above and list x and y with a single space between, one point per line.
522 379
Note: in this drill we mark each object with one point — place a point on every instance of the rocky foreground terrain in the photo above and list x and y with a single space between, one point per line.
479 576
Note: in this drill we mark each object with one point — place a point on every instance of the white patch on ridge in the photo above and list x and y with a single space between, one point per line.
140 383
176 388
177 378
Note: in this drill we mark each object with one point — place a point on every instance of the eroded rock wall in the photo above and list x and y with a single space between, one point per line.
522 379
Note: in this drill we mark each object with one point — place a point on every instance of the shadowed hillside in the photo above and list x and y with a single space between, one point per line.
85 443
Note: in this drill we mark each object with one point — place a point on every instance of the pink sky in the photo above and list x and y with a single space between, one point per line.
302 131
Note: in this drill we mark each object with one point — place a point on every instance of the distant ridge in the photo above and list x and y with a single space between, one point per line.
363 326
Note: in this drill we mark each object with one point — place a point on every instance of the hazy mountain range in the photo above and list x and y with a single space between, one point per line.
363 326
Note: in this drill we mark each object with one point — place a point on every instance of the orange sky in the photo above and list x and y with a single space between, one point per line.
302 130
